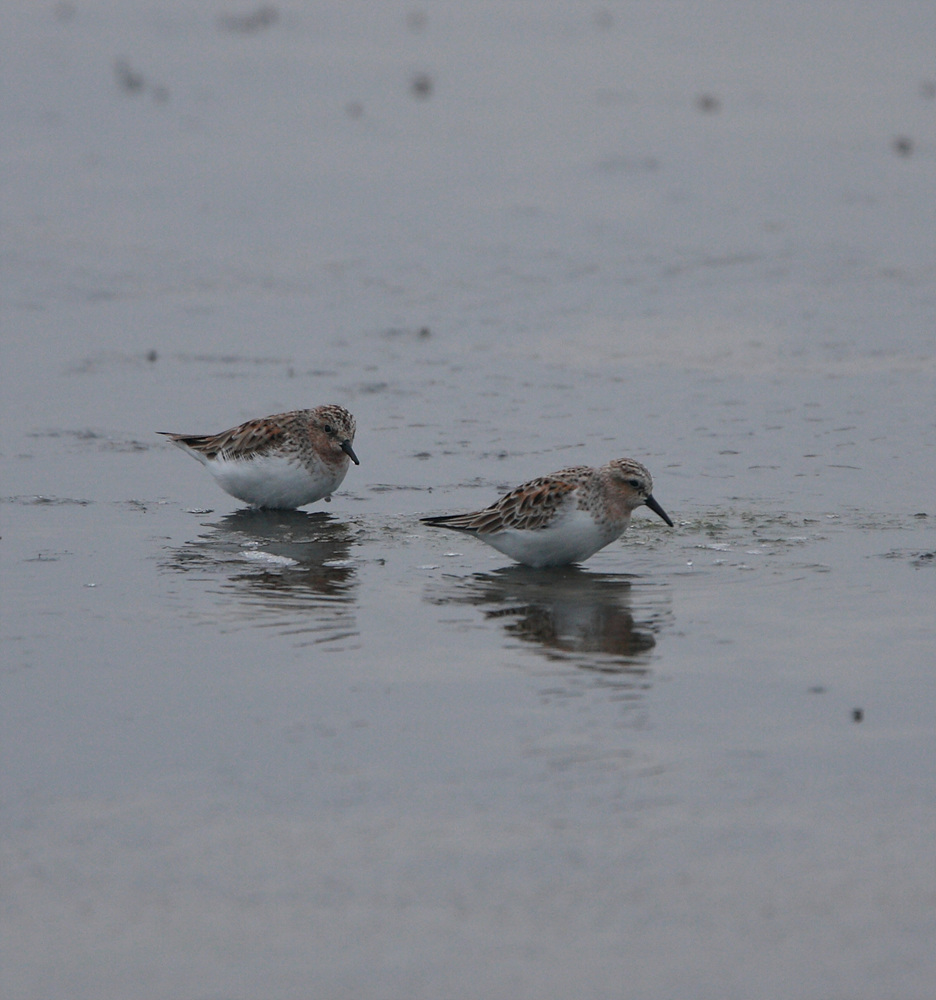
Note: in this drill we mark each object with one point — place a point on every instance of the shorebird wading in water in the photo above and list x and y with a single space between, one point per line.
282 461
564 517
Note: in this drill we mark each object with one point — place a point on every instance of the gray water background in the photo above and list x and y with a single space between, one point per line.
334 753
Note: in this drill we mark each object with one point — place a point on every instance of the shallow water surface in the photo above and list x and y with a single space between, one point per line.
338 752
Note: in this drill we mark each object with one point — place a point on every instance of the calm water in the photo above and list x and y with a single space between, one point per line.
335 753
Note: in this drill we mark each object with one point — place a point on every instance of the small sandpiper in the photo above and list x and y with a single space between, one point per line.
283 461
564 517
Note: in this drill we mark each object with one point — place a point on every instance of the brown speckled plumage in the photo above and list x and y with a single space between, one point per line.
563 517
283 460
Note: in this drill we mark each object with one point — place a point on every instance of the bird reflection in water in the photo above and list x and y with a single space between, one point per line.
568 613
288 570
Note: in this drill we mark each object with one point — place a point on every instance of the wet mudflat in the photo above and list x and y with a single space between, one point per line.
335 752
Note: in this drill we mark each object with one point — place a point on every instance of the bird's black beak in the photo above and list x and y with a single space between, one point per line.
657 509
349 451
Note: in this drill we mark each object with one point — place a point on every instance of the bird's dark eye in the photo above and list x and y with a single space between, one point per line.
635 483
328 429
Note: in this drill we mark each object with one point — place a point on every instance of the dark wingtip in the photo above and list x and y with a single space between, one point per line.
349 451
444 521
658 510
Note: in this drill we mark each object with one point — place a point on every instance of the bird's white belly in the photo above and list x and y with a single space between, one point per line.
274 481
570 539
